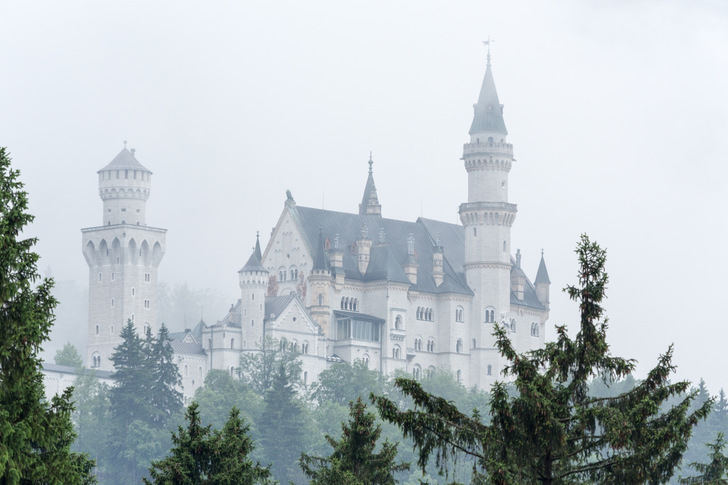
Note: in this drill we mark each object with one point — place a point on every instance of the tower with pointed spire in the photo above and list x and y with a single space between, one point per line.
123 255
487 217
370 202
253 278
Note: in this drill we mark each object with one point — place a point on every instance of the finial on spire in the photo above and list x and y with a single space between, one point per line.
124 143
371 162
541 252
487 43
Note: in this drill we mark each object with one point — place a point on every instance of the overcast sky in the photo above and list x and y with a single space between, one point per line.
617 111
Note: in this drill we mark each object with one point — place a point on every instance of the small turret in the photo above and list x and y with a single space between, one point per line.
438 270
370 203
542 283
253 279
363 249
518 278
410 266
320 281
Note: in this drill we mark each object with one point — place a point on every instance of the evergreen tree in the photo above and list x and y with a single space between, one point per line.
552 431
258 369
201 456
165 398
91 418
68 356
714 472
343 382
220 393
35 434
282 427
353 460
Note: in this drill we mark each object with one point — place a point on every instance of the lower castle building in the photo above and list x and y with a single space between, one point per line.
399 295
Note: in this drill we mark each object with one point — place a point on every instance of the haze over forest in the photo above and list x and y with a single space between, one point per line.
617 113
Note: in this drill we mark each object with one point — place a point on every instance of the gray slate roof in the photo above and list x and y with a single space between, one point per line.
542 276
488 116
387 259
254 262
125 160
187 348
275 305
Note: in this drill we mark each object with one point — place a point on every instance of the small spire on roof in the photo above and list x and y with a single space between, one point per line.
124 143
371 162
487 43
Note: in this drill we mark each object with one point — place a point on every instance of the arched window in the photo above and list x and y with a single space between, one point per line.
97 329
513 325
232 371
430 372
418 344
96 359
459 375
490 370
232 343
431 344
396 352
186 371
365 358
459 346
283 343
416 371
475 345
504 246
305 378
294 346
398 322
490 315
534 329
320 299
459 314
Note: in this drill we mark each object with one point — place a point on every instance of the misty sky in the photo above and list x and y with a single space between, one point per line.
617 111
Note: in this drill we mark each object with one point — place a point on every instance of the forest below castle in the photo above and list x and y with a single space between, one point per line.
567 413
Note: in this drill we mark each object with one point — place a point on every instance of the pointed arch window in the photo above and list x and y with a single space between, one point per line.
490 315
459 346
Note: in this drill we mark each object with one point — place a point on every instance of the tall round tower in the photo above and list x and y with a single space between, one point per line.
123 255
487 215
253 278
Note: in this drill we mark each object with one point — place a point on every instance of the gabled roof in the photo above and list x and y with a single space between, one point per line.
488 116
187 348
125 160
275 305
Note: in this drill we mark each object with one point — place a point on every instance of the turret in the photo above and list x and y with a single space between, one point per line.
518 278
542 283
253 278
410 265
363 249
370 203
124 188
320 281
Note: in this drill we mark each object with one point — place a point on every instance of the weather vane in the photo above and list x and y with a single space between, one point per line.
487 43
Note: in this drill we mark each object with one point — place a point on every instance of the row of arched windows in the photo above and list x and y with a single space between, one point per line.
534 329
430 344
284 344
350 304
290 274
426 314
417 373
489 315
459 314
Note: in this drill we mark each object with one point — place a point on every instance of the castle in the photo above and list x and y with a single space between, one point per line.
398 295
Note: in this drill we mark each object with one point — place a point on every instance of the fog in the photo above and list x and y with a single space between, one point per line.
617 113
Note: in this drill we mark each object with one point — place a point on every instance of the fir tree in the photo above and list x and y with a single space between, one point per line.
258 369
552 431
282 427
165 399
201 456
353 460
68 356
35 435
714 472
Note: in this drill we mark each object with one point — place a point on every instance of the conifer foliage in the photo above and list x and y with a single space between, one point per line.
552 431
353 460
714 472
35 435
201 456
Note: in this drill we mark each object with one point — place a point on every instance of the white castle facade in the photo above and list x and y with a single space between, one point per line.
410 296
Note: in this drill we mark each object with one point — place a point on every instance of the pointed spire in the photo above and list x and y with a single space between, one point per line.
320 261
488 116
255 261
369 202
542 276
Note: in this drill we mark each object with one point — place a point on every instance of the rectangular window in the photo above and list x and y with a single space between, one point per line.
99 277
147 277
113 276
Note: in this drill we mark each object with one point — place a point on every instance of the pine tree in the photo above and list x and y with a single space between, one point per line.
201 456
282 427
35 435
552 431
714 472
165 398
353 460
68 356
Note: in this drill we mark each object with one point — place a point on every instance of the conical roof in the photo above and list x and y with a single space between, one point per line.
254 262
488 116
125 160
370 201
542 276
